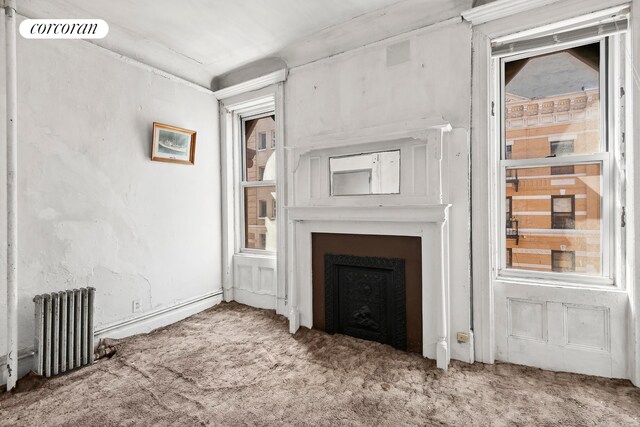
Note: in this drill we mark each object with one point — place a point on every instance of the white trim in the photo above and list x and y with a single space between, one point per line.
398 214
583 19
158 318
501 9
482 167
25 364
253 84
233 108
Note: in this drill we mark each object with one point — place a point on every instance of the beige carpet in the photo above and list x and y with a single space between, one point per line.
234 365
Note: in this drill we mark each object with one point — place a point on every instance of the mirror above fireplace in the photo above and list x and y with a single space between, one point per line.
364 174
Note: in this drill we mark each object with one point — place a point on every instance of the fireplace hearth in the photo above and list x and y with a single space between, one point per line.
365 298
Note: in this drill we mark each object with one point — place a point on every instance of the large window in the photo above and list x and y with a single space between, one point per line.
555 158
259 184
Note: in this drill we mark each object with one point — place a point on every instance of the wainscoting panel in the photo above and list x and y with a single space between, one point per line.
527 320
254 280
561 328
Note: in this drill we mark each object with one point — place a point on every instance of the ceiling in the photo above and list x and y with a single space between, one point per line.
201 39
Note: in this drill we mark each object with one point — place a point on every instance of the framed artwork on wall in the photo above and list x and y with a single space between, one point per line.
173 144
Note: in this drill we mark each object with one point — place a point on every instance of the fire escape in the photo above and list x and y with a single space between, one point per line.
513 231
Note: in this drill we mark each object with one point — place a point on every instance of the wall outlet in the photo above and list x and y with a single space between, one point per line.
136 307
462 337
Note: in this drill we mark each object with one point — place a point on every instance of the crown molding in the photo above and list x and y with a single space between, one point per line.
253 84
501 9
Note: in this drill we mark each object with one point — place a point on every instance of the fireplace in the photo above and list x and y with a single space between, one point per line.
321 222
365 298
343 265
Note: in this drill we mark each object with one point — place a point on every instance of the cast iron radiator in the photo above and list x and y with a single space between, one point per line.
64 331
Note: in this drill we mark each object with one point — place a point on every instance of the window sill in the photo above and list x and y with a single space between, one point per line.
256 253
570 281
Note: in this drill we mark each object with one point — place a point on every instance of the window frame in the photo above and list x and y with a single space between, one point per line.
612 67
244 184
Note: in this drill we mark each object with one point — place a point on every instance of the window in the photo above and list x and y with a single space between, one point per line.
563 212
507 151
563 170
562 148
262 208
262 141
557 154
273 138
273 209
258 184
563 262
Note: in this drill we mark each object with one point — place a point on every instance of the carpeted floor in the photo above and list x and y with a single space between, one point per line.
235 365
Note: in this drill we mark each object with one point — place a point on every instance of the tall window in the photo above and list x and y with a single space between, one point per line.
556 152
259 184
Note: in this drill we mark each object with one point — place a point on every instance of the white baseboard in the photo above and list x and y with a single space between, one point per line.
139 325
158 318
254 300
25 363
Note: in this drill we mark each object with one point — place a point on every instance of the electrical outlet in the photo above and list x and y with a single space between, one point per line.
136 306
462 337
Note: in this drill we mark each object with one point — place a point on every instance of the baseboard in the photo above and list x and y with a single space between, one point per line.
254 300
25 363
139 325
158 318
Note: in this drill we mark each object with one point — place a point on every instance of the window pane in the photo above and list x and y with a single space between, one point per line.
260 160
552 104
260 221
546 213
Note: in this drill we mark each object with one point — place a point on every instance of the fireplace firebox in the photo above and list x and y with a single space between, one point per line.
365 298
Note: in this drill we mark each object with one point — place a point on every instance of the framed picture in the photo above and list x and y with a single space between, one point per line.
173 144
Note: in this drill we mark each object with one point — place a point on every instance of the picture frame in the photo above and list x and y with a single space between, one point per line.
173 144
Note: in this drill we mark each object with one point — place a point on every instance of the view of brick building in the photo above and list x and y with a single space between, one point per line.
260 199
553 213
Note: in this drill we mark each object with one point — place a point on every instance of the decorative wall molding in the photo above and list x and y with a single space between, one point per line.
253 84
501 9
410 129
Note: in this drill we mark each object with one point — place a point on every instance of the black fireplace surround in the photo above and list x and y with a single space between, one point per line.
365 298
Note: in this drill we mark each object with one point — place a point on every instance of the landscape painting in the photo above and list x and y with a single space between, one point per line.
173 144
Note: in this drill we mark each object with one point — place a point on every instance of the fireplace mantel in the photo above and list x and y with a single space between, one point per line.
426 221
403 213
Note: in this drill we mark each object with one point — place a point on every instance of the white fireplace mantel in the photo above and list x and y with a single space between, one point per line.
429 222
402 213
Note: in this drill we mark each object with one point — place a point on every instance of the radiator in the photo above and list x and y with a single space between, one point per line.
64 331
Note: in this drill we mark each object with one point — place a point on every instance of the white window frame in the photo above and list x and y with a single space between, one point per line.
267 111
610 134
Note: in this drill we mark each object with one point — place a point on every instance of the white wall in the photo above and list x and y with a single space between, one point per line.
359 89
93 209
